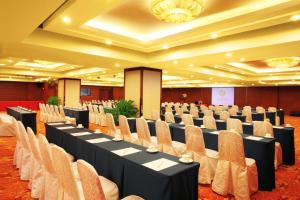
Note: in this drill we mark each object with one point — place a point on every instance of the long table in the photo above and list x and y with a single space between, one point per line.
174 183
82 116
261 151
28 118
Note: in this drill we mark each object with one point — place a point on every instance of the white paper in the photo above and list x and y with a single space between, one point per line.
160 164
254 138
98 140
246 123
126 151
81 133
279 127
215 132
56 123
220 120
65 127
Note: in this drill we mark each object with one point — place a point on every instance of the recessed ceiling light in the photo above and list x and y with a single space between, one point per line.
117 65
1 64
252 84
192 76
191 65
165 71
31 69
231 70
211 78
214 35
295 17
165 46
104 72
297 73
270 74
229 54
10 61
72 67
108 42
216 66
243 73
242 59
66 20
175 62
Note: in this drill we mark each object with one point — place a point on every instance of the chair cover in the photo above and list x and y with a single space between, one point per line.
234 124
248 114
144 134
178 111
169 117
234 174
164 140
102 120
7 125
187 119
50 186
194 111
36 170
232 111
208 113
95 187
155 115
18 149
25 155
209 122
196 147
224 115
125 130
111 127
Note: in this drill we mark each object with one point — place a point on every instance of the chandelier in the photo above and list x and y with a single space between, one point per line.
176 11
283 62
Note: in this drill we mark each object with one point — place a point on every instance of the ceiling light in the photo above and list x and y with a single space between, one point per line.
117 65
243 73
66 20
165 46
229 54
216 66
214 35
295 17
1 64
176 11
297 73
211 78
31 69
283 62
191 65
192 76
108 42
231 70
10 61
175 62
165 71
242 59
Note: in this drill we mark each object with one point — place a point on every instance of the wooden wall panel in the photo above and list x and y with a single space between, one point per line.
289 98
20 91
118 93
261 96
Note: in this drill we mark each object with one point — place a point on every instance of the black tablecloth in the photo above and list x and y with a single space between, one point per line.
177 182
262 151
82 116
28 118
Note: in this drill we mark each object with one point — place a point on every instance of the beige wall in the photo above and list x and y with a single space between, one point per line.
61 90
132 86
151 92
69 92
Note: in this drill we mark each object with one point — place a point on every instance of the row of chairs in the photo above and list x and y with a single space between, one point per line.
96 114
53 113
240 173
52 174
260 128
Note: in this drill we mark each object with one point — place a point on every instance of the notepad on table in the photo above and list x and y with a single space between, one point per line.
215 132
246 123
126 151
98 140
81 133
220 120
65 127
279 127
160 164
254 138
56 123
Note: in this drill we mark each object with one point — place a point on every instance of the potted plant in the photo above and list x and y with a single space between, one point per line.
123 107
53 100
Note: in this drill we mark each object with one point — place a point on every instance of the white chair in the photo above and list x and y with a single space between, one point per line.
224 115
92 118
194 111
7 126
102 120
169 117
50 186
144 134
232 111
208 113
64 117
178 111
196 147
111 126
36 170
203 108
187 119
25 155
18 149
277 118
209 122
97 187
125 130
155 115
234 124
263 128
164 140
234 174
248 114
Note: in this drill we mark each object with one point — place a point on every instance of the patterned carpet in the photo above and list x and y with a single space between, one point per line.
287 177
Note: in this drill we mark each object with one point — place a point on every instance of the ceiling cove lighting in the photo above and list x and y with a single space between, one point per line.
66 20
214 35
176 11
283 62
295 18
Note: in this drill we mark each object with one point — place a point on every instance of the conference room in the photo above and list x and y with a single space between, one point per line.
149 99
